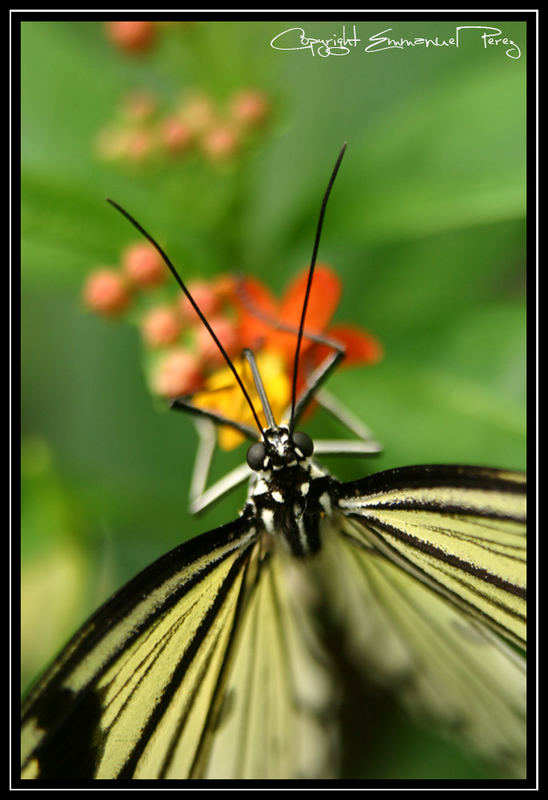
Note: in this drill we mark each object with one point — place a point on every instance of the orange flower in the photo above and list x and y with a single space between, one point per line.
244 314
261 318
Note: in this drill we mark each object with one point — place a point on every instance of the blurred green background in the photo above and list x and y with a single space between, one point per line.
426 227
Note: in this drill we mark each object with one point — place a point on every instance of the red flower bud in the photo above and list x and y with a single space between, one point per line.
106 292
132 37
143 265
176 135
220 142
161 326
206 299
176 374
226 332
250 107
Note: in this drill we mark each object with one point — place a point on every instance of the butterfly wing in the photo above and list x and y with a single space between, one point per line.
188 671
129 687
461 530
279 719
425 561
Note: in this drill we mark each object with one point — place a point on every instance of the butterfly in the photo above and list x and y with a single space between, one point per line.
210 663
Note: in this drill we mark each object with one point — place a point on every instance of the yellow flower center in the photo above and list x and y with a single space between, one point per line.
222 395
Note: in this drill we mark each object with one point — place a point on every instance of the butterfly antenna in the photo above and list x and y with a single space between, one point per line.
257 380
309 285
194 305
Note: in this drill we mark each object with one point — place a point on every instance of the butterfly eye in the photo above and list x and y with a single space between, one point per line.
303 442
255 456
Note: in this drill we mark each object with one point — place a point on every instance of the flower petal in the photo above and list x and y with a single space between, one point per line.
257 308
324 298
361 347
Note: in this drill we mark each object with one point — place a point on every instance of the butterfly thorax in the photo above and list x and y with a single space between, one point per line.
289 495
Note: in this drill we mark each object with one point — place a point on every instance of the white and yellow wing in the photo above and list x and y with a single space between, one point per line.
280 718
425 562
460 530
152 686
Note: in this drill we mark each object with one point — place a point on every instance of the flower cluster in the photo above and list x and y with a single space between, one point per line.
182 350
182 358
142 132
145 129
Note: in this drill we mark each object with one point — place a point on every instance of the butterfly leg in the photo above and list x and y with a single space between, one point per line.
200 496
364 443
341 413
185 404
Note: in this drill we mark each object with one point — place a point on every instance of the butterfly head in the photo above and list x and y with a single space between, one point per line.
279 449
